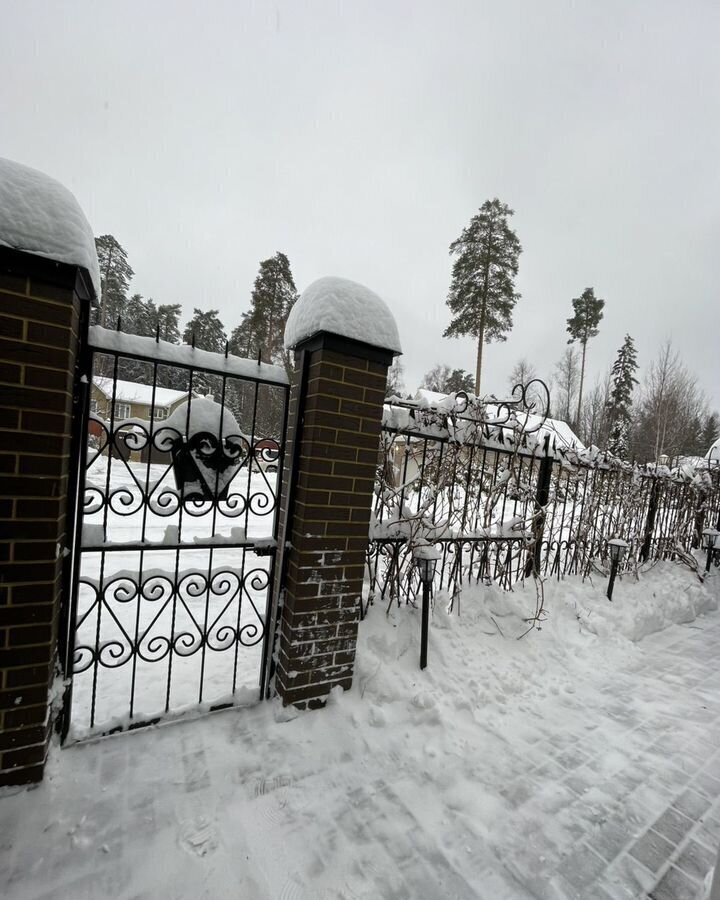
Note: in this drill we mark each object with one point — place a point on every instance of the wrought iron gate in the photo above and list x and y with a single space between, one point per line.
178 464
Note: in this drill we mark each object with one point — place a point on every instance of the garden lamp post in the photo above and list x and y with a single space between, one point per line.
425 558
710 542
617 548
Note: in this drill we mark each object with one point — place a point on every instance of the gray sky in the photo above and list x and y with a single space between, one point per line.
360 137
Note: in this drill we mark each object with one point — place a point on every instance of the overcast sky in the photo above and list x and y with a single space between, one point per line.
360 137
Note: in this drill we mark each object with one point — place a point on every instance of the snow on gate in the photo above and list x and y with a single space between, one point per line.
179 456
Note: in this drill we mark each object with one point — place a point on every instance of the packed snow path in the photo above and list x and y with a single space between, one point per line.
564 765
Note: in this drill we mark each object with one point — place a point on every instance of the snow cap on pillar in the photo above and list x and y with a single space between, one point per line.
337 306
38 215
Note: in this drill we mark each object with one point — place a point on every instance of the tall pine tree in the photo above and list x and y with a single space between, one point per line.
260 335
583 325
206 332
138 317
482 292
168 322
167 328
115 276
262 329
620 400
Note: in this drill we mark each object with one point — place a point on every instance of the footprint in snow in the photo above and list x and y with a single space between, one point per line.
198 836
423 700
376 717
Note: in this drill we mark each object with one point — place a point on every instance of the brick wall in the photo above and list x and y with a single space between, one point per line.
335 418
40 306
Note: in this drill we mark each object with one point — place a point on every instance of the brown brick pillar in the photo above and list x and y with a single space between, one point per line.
335 419
42 306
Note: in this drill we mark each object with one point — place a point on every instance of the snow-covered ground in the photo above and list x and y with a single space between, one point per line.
580 761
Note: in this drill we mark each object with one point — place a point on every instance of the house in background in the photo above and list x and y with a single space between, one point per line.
130 400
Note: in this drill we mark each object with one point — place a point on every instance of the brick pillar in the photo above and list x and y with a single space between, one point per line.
42 305
335 419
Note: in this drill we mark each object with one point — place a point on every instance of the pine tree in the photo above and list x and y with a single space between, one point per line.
260 335
115 276
205 331
168 322
583 325
620 401
138 317
482 292
167 328
460 380
261 330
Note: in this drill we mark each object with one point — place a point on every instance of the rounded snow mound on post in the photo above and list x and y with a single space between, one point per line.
38 215
346 308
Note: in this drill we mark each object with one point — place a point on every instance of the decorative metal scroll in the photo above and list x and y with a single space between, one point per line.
200 471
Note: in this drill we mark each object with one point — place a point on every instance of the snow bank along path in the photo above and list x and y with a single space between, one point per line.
574 764
39 215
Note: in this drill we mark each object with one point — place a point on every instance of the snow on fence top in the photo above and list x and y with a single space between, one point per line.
184 355
342 307
486 422
38 215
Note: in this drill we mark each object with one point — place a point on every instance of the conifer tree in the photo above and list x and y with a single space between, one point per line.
482 292
620 400
167 328
168 322
206 332
262 329
138 316
260 335
583 325
115 276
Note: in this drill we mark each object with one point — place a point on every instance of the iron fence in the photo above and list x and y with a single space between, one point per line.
179 465
503 494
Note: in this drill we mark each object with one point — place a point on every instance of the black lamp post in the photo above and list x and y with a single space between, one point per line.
425 558
710 542
617 548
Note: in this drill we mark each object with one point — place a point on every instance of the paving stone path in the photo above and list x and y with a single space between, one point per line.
621 803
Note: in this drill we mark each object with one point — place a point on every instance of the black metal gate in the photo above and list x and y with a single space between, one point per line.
178 462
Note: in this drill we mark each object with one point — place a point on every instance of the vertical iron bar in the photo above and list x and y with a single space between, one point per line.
74 520
425 624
